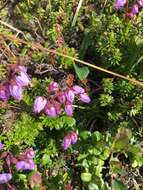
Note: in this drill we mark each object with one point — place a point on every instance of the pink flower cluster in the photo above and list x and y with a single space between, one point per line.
24 161
133 10
58 98
18 79
70 138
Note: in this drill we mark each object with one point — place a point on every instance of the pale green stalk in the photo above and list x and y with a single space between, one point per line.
76 13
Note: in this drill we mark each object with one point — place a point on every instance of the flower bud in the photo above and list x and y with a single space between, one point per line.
57 106
69 109
31 164
20 165
1 146
69 186
25 165
22 79
5 177
4 92
15 91
66 142
53 86
78 89
22 68
70 95
84 98
140 3
39 104
129 15
61 97
119 4
50 110
73 137
30 153
135 9
17 68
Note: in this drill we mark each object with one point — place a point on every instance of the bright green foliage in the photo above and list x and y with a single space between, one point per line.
103 148
58 123
25 130
65 62
108 153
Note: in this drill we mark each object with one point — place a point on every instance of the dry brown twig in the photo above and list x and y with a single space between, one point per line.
47 51
11 27
7 46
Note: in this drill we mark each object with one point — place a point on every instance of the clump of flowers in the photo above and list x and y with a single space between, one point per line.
60 98
132 10
23 161
70 138
18 79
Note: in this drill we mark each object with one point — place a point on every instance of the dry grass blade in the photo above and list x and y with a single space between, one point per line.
46 50
76 13
10 26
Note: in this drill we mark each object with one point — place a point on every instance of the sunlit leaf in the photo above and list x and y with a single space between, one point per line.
82 72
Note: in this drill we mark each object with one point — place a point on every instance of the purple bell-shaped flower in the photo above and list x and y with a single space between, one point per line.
78 89
140 2
28 154
20 165
84 98
53 86
69 109
61 97
22 79
50 110
5 177
119 3
4 92
15 91
73 137
39 104
66 142
22 68
135 9
70 95
25 165
57 106
1 146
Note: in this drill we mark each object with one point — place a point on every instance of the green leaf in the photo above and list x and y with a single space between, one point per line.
115 165
122 139
86 177
97 135
85 44
139 42
85 134
68 121
93 186
46 159
118 185
82 72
